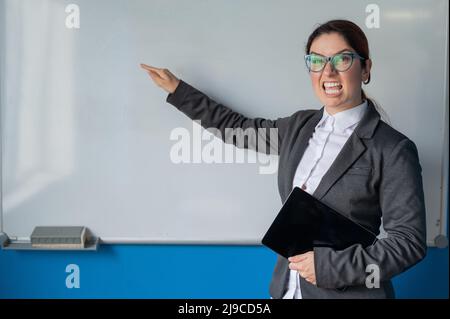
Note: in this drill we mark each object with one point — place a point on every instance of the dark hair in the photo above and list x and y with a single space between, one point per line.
352 34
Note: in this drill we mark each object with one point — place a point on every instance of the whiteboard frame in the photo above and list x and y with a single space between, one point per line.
444 202
2 67
445 157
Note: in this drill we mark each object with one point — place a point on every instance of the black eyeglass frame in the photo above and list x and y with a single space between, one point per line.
353 55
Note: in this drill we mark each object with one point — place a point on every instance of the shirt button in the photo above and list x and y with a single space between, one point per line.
303 186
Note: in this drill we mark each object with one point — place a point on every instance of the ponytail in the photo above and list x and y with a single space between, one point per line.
383 114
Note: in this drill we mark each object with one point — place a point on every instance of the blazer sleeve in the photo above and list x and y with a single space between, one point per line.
261 135
403 210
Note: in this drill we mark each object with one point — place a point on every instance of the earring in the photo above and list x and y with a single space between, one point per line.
368 80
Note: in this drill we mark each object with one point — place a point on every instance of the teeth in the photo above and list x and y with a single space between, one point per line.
331 84
332 87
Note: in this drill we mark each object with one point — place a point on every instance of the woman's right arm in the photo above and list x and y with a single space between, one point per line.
262 135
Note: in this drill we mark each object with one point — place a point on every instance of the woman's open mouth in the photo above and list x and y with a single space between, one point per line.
332 88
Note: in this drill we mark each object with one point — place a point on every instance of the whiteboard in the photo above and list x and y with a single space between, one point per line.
86 135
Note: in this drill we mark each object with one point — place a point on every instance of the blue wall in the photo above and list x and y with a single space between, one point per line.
156 271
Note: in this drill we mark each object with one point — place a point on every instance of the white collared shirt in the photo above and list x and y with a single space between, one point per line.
328 138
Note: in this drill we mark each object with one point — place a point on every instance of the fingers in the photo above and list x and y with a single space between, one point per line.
150 68
311 280
304 272
163 74
155 73
162 77
298 258
300 267
169 74
155 77
304 269
304 265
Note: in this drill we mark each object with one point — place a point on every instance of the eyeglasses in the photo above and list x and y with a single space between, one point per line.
340 62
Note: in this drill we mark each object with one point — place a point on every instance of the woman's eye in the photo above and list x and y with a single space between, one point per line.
346 58
316 60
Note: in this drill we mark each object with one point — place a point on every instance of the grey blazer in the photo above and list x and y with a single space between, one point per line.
376 175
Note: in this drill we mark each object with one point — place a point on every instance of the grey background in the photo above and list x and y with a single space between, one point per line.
85 133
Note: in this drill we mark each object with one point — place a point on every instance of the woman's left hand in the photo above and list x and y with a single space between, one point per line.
304 264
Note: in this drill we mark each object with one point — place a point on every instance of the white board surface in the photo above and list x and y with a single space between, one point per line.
86 134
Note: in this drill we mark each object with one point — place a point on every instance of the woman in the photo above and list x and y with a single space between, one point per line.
344 155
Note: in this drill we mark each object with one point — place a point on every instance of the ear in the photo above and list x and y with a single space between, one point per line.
365 72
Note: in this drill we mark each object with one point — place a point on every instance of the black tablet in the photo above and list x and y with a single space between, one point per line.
304 222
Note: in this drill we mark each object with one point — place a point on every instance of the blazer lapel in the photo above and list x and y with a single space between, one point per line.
350 152
299 147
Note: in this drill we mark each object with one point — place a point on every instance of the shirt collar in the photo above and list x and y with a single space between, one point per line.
347 118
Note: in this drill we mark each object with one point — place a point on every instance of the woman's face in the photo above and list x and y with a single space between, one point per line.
347 96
